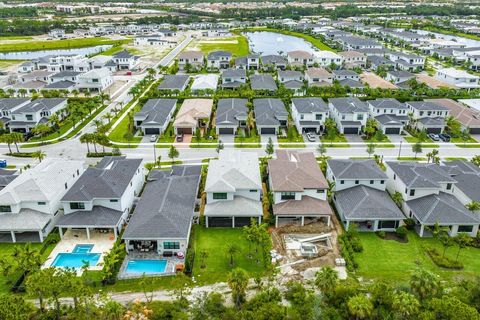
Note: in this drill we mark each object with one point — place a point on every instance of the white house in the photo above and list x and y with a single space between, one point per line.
233 190
428 115
309 114
37 111
390 114
459 78
327 58
350 114
29 205
95 80
103 196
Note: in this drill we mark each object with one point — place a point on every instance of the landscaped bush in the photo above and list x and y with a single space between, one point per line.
402 232
409 223
22 154
475 241
381 234
442 261
347 252
52 238
99 154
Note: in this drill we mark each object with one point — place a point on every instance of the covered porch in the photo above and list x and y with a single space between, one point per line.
374 225
25 226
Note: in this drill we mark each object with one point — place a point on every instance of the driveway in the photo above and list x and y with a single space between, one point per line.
187 139
264 138
227 138
146 138
354 138
317 138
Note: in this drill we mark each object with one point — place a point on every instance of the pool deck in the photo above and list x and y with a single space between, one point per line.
169 270
102 243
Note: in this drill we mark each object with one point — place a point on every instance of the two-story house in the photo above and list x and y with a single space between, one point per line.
233 78
37 111
219 60
96 80
359 195
8 106
309 114
299 189
270 115
193 58
428 115
248 62
230 115
327 58
273 62
103 196
391 115
350 114
427 191
30 203
353 59
459 78
125 60
407 61
300 58
318 77
233 190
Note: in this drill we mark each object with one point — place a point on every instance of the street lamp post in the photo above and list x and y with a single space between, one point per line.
400 149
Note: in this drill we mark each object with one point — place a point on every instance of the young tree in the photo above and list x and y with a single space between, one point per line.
397 197
417 148
198 136
405 305
241 136
269 149
219 146
360 306
203 257
232 250
238 282
326 280
173 153
370 149
16 138
424 284
370 127
129 137
462 240
39 155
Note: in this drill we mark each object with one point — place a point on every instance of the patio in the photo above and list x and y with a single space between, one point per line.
102 243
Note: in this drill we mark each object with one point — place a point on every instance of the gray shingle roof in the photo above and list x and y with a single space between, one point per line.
64 84
273 59
215 55
351 83
156 111
99 217
293 84
290 74
428 121
348 105
12 103
426 105
469 184
362 202
308 105
463 166
420 175
41 104
387 103
263 82
234 73
443 208
165 209
174 82
356 169
66 73
344 72
268 110
109 181
388 119
401 74
228 111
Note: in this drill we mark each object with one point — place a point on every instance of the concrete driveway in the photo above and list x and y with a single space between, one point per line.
264 138
226 138
354 138
317 138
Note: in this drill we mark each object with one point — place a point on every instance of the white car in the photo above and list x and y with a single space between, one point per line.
153 138
311 137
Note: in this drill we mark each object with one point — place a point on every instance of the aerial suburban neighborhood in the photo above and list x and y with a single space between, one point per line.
240 160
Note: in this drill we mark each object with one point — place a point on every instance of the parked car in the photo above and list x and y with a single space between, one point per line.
444 137
153 138
310 137
3 163
434 136
179 137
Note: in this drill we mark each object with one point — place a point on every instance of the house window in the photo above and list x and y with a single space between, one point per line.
467 229
220 196
287 195
359 116
412 192
171 245
113 200
449 186
371 181
41 203
394 177
29 117
342 181
77 205
357 182
382 181
319 116
253 190
66 186
320 191
5 209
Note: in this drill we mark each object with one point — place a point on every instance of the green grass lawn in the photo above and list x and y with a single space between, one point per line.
6 249
314 41
411 159
425 144
252 139
215 242
290 144
384 143
203 143
461 144
237 49
393 261
9 63
59 44
330 143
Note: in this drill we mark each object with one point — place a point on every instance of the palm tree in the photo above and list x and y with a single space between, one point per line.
326 279
39 155
86 138
232 250
108 116
405 305
473 206
424 284
238 282
203 256
397 197
360 306
7 138
462 240
54 120
16 137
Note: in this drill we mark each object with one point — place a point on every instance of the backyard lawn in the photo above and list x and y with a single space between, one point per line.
59 44
6 249
215 242
391 260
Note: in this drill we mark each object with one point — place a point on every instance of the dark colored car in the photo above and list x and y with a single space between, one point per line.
179 137
444 137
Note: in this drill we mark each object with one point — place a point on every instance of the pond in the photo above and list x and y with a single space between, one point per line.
272 43
29 55
468 42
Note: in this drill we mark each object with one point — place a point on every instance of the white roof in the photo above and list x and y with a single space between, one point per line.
205 81
444 42
44 182
457 73
95 73
472 103
326 54
234 170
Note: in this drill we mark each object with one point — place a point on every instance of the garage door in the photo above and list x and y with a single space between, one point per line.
243 221
267 131
184 130
152 131
392 131
350 130
219 222
474 131
314 130
434 130
225 130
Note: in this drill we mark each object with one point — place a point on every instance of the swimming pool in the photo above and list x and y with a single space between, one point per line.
146 266
77 258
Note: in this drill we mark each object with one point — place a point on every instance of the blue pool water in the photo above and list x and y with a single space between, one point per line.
77 259
146 266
